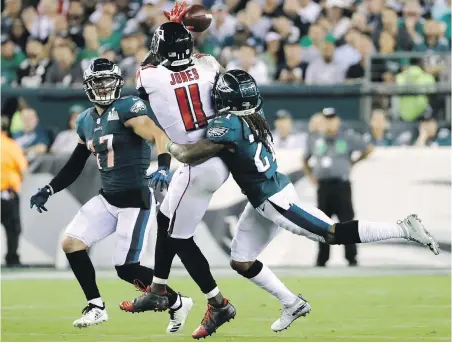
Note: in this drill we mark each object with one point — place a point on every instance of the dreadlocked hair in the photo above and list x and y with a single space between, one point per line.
259 129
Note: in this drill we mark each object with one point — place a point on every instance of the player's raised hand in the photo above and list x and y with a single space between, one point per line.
177 13
40 198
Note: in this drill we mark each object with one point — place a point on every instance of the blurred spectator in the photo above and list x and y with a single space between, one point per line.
338 23
33 70
232 44
75 23
291 9
428 132
11 59
272 8
389 24
378 134
10 13
288 32
434 38
316 124
247 60
66 141
284 137
13 167
11 109
19 34
365 47
447 20
349 53
270 56
293 70
373 9
223 24
89 6
43 23
33 140
129 47
359 22
313 42
412 20
109 8
65 70
324 70
129 64
309 11
258 25
411 107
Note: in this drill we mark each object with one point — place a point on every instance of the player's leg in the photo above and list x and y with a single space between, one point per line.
345 212
91 224
254 233
287 212
132 233
325 203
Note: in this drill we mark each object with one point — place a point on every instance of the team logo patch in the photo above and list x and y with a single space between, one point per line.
113 115
138 106
217 131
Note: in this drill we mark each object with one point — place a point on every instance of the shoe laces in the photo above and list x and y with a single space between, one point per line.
172 314
88 308
141 287
208 314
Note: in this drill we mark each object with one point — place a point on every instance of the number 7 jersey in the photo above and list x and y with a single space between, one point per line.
181 100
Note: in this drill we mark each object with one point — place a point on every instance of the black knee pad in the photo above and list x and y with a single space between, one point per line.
128 272
252 271
346 233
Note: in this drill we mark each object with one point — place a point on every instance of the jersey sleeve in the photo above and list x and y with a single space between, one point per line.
208 60
145 79
79 127
223 130
133 107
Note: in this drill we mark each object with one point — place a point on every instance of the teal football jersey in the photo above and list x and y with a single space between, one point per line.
122 156
252 166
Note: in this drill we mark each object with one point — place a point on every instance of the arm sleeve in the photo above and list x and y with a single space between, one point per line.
222 130
71 170
79 127
135 108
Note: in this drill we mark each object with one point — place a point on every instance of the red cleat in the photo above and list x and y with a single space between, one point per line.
213 319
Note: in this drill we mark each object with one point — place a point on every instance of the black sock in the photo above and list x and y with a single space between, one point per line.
84 271
195 263
347 232
135 271
164 251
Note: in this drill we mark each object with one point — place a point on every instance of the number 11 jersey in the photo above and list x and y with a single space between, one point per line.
181 100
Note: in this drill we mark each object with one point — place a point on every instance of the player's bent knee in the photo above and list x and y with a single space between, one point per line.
247 269
71 244
129 271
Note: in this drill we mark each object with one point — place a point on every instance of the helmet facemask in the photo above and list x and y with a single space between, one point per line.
103 89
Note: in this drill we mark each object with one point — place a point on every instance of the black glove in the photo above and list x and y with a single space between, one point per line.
40 198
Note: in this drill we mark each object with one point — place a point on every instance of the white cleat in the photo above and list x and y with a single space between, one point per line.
92 315
178 317
416 232
290 314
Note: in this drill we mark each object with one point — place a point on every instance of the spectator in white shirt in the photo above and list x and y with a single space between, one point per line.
309 10
337 22
324 70
283 137
248 61
223 24
66 141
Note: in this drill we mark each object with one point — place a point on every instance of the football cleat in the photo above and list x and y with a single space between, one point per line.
213 319
145 302
290 314
179 315
92 315
416 232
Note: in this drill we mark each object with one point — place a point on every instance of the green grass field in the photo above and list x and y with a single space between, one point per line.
380 308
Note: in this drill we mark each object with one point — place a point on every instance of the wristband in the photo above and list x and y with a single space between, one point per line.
164 160
168 146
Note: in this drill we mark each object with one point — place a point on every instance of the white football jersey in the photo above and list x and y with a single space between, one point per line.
181 100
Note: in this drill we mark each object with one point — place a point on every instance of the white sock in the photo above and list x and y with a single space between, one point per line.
177 303
268 281
373 232
97 302
213 293
159 281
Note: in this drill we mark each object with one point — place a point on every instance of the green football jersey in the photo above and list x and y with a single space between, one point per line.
122 156
252 166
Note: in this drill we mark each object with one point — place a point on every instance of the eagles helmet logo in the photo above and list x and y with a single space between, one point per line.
217 131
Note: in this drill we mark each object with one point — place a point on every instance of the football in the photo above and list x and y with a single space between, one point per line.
198 17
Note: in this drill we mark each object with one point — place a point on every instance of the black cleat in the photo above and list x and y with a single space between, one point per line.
146 302
213 319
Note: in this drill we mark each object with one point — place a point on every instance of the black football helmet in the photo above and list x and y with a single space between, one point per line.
172 45
102 82
236 92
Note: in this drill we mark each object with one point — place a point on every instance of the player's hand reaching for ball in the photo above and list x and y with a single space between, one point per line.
177 13
40 198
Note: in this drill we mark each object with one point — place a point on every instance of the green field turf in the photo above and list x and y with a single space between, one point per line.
380 308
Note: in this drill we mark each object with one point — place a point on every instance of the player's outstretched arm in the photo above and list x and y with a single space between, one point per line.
65 177
194 153
145 127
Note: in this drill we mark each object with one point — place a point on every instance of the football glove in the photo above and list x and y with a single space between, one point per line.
159 178
40 198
